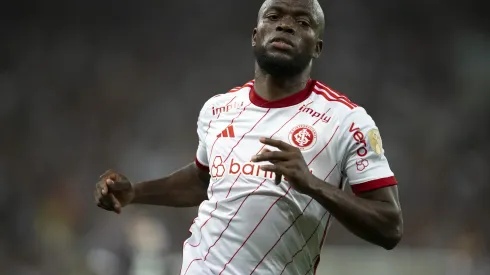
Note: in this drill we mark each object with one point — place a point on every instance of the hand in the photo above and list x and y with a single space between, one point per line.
113 191
288 162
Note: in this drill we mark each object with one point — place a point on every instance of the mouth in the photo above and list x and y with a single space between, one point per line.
281 40
282 44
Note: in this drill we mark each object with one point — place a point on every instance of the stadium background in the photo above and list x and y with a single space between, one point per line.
88 85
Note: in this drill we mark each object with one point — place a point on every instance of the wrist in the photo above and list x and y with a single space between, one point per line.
137 192
316 187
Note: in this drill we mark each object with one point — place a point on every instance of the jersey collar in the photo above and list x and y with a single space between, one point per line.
283 102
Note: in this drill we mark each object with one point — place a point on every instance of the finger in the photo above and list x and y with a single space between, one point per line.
104 206
265 151
114 203
273 156
101 188
105 203
281 145
109 203
275 168
107 173
278 179
117 185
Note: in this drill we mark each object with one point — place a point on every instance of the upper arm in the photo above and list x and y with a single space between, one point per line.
201 160
387 194
202 173
364 163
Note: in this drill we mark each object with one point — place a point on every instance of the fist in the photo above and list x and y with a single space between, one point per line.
113 191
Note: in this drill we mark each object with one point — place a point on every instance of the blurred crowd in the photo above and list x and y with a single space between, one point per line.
87 85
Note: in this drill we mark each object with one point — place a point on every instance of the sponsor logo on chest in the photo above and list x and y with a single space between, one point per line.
226 108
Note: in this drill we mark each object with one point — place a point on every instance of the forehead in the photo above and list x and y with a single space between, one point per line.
300 6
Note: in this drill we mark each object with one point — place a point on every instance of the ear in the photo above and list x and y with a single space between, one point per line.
254 34
318 48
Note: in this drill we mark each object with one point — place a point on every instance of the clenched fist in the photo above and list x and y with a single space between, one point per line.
113 191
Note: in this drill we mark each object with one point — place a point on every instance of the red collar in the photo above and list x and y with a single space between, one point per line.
283 102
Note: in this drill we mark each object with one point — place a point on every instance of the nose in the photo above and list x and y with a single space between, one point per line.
284 27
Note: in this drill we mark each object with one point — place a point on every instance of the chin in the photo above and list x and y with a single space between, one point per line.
281 64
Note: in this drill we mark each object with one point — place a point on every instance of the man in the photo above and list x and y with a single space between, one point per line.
273 158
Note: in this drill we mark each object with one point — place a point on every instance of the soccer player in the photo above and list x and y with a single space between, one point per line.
273 158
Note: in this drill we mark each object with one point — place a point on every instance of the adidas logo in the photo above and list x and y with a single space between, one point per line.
227 132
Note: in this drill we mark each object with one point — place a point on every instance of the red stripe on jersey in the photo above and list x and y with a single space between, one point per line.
328 175
248 84
231 100
234 89
306 242
280 237
321 118
228 225
200 165
197 259
200 228
321 244
255 228
373 184
335 93
207 130
324 146
233 148
229 190
233 120
330 97
341 187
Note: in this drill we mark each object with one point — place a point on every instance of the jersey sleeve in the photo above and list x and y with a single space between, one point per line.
201 154
364 163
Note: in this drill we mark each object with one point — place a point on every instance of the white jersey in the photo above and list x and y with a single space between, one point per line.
250 225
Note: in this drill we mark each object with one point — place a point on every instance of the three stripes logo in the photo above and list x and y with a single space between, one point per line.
227 132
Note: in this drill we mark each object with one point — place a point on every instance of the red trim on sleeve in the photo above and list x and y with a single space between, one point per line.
200 165
373 184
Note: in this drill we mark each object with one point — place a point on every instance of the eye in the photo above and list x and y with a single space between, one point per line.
304 23
272 17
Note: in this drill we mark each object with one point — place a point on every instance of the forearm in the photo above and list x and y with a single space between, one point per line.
378 222
183 188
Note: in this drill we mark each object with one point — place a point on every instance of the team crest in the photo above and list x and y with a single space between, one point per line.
375 141
302 136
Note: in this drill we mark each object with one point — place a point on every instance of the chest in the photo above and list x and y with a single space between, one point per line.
235 134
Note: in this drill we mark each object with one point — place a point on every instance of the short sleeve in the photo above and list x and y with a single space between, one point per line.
201 154
364 162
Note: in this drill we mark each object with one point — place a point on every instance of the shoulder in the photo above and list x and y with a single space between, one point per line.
222 100
333 98
344 108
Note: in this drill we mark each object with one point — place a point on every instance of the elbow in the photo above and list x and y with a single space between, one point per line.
395 234
393 240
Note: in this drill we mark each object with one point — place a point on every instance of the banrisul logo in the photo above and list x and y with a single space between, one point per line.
219 169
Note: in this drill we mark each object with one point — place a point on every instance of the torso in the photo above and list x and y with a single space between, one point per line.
250 224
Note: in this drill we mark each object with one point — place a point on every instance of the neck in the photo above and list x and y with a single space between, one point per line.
274 88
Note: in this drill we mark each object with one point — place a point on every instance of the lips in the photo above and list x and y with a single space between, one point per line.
282 40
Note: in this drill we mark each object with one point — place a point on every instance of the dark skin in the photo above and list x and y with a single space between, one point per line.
288 33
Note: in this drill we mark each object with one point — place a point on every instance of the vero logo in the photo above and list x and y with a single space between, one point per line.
227 132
